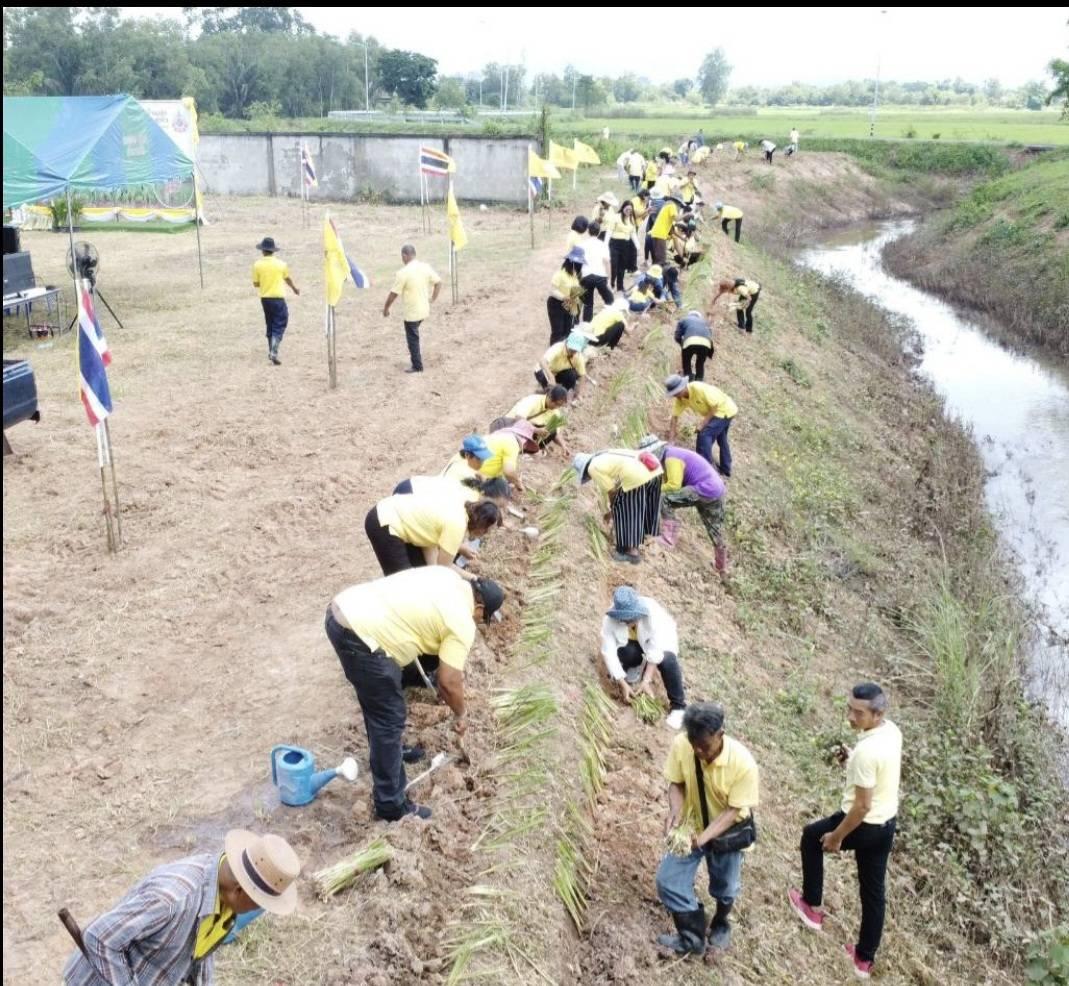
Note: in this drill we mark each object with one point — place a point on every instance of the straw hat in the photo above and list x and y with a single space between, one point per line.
609 199
266 867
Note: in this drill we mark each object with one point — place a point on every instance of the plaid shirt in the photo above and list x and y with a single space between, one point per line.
148 938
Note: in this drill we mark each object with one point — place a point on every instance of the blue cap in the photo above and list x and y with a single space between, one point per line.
576 342
474 445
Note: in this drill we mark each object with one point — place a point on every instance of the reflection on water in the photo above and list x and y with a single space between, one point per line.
1018 409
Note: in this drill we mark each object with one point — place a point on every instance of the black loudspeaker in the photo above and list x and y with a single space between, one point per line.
11 240
18 273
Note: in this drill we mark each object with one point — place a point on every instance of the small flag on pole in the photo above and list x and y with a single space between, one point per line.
432 162
307 168
456 228
562 157
337 267
585 154
537 170
93 360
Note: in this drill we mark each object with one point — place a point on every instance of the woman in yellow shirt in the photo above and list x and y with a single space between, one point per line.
632 482
565 293
577 234
416 529
623 248
564 363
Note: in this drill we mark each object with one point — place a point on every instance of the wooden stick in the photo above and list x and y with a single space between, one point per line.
332 348
104 490
114 483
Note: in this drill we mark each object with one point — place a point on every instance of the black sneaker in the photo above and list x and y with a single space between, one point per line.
414 369
420 811
412 754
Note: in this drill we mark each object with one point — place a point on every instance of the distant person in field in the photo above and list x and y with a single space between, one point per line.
652 173
768 148
740 149
417 285
269 274
695 340
865 825
746 293
794 138
636 167
716 411
727 213
597 266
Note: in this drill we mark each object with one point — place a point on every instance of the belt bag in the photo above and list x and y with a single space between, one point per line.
740 836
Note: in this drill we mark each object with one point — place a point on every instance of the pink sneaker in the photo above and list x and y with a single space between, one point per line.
809 916
862 969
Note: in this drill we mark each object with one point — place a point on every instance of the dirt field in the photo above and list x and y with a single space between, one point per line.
143 693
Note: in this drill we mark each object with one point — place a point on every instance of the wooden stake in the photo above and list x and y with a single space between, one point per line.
114 483
104 488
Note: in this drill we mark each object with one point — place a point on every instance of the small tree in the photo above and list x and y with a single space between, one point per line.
1059 68
713 76
410 77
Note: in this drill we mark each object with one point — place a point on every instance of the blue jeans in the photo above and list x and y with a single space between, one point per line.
716 431
675 878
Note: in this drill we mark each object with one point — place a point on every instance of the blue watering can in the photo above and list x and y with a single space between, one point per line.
242 920
293 771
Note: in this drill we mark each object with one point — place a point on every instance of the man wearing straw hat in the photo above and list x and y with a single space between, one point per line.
394 633
269 274
167 928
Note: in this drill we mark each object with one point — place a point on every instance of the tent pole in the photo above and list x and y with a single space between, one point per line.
70 236
196 220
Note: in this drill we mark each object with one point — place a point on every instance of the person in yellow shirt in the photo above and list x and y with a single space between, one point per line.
652 173
416 529
577 233
417 285
632 483
565 364
623 249
865 825
606 210
727 213
640 202
662 229
269 274
607 328
716 410
713 788
506 443
466 463
544 412
565 293
746 293
416 627
740 148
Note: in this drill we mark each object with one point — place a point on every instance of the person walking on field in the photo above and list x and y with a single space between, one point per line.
417 285
865 825
269 274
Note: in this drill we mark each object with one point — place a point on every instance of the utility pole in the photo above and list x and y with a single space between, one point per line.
876 89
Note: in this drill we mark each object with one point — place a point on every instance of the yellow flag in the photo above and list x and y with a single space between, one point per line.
585 154
456 227
335 264
562 157
539 167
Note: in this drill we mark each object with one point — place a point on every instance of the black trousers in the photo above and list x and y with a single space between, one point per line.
611 336
560 320
393 554
378 684
694 358
619 256
412 338
746 319
590 284
276 318
738 227
636 182
871 846
659 250
631 655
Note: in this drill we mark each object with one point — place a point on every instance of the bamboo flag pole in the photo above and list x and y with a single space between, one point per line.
332 348
99 430
114 484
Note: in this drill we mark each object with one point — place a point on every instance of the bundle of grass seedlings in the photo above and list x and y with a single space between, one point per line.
679 842
336 878
647 708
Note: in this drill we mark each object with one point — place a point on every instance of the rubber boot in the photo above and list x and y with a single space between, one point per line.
721 558
690 933
720 929
275 340
669 532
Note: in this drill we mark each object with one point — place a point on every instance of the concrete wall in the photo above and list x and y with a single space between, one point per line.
350 166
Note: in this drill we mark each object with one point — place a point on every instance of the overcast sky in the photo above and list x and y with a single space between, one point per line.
765 45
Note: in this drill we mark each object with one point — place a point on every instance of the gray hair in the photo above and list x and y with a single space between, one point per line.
703 719
408 250
869 691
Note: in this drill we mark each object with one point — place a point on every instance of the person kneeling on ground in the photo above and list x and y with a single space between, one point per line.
543 411
632 482
564 363
695 340
864 826
395 633
607 328
167 928
712 789
638 635
690 481
746 293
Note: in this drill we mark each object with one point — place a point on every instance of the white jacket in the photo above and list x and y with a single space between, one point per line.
657 635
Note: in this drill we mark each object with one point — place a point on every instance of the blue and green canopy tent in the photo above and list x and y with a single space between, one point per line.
56 145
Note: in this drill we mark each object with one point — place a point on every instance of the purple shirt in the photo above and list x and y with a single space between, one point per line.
697 473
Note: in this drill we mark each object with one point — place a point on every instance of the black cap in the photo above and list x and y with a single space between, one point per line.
491 595
267 244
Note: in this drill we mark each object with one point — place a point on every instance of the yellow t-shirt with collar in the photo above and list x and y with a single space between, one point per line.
413 285
269 275
425 520
731 780
876 763
705 399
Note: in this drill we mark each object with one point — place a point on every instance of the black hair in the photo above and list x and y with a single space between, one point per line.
483 515
703 719
498 487
740 281
572 266
557 393
594 229
580 224
869 691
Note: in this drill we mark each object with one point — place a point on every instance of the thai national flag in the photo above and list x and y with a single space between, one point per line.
93 359
432 162
307 168
535 187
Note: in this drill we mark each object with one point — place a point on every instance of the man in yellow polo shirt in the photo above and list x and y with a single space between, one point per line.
662 229
417 285
270 275
719 811
716 410
392 633
865 825
727 213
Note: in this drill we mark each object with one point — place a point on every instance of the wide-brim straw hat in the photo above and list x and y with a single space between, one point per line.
267 244
266 867
609 199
